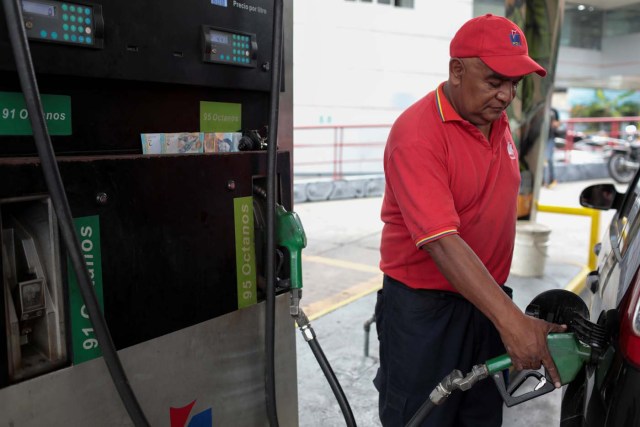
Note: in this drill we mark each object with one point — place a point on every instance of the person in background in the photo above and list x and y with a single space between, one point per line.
449 212
549 178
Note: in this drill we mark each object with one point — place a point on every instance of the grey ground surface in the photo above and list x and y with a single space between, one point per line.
341 265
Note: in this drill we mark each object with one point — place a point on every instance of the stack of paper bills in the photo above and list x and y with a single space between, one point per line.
190 142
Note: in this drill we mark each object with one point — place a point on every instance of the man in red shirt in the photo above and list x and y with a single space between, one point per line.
449 213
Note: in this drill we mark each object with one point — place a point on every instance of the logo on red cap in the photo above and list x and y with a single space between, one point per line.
515 38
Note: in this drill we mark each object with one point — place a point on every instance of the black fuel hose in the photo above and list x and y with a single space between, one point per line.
421 414
310 337
270 264
28 82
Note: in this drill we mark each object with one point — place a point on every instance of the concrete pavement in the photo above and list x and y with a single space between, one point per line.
340 279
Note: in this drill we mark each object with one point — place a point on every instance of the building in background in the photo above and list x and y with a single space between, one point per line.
364 61
361 62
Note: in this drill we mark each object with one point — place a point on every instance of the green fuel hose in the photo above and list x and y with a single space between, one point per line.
310 338
569 355
452 382
291 236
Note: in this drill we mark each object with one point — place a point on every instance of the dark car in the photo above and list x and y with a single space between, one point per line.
607 390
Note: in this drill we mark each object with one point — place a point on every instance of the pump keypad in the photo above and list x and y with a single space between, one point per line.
63 22
222 46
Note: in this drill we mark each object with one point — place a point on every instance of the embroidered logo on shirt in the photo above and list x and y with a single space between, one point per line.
511 149
515 38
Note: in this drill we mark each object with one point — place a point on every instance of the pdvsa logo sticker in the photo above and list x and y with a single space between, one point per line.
180 416
511 149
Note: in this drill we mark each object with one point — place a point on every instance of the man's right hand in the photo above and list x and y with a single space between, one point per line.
525 339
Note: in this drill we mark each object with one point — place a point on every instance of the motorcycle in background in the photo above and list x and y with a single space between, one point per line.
624 160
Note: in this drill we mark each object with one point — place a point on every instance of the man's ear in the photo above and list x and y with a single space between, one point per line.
456 70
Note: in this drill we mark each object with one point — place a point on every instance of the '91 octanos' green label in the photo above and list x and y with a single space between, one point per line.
14 117
85 342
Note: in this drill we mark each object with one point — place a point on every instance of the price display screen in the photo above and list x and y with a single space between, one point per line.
39 8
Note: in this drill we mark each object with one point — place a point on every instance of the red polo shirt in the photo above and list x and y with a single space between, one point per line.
443 177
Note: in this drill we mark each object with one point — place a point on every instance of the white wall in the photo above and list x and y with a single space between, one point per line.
616 65
363 63
621 55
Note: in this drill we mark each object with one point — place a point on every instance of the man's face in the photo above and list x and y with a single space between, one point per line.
485 93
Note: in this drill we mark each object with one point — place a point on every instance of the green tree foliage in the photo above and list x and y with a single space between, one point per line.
602 106
629 109
618 106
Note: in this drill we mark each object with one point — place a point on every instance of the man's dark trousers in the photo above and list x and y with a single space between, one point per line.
424 335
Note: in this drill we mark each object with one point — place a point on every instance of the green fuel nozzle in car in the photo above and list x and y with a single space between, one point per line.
570 351
569 355
290 235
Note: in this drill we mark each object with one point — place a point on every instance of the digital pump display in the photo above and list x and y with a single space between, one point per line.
41 9
219 38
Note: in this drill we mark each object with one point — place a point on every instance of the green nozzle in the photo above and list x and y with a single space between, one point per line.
568 353
498 364
290 235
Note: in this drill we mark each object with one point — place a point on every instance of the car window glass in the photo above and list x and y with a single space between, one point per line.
628 220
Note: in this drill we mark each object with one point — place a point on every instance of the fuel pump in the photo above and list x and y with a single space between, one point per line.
170 256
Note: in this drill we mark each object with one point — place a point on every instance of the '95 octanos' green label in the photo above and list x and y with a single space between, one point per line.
245 252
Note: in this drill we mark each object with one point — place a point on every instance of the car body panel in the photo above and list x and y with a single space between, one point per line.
607 393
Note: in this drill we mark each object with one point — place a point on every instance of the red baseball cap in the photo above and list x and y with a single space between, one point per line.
498 42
